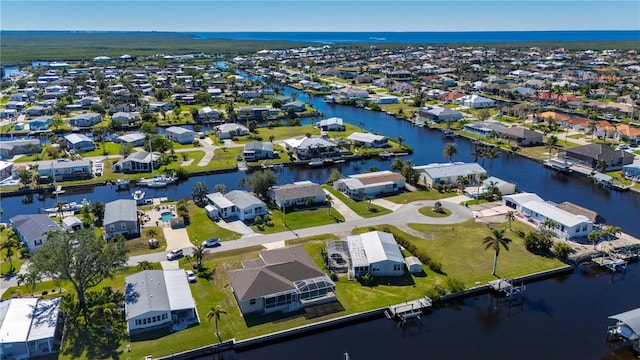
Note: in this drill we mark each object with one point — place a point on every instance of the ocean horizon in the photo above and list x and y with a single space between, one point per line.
426 37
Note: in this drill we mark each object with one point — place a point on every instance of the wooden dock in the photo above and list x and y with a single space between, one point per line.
611 262
408 310
506 287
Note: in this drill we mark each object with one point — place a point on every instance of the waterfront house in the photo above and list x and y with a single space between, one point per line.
160 106
358 186
439 114
368 140
351 92
8 149
207 114
483 129
300 193
632 171
230 130
121 217
596 155
155 299
521 136
79 142
310 147
237 204
381 100
134 139
331 124
65 170
30 328
376 253
179 134
567 225
85 120
515 201
125 117
476 101
6 169
252 112
295 106
284 279
40 123
258 150
36 111
32 229
449 173
141 161
489 184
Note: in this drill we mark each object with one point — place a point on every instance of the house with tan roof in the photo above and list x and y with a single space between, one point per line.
375 183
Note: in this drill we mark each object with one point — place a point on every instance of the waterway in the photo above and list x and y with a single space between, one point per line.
561 318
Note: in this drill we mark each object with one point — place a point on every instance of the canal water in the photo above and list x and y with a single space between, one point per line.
561 318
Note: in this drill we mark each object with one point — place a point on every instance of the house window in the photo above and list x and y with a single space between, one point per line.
123 226
252 302
164 316
112 227
584 228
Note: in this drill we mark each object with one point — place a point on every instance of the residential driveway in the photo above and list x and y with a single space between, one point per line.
176 238
209 151
170 265
386 204
458 199
343 209
237 226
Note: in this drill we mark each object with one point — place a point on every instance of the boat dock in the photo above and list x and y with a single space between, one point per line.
506 287
611 262
408 310
58 190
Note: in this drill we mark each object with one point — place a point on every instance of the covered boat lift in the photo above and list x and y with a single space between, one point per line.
627 328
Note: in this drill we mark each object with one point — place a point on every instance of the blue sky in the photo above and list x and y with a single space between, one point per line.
307 15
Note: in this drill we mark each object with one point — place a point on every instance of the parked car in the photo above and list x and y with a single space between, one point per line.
191 276
212 242
175 254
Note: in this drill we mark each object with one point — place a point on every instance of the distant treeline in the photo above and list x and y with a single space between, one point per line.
23 47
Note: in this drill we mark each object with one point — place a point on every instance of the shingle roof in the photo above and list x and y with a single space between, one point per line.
297 191
242 199
120 210
32 226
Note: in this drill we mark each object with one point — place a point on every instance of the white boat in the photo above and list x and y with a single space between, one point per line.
122 184
68 207
157 184
316 163
138 196
158 181
385 154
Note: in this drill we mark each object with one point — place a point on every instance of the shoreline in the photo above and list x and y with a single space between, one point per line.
284 335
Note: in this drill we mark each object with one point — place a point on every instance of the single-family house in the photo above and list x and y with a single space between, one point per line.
66 170
32 229
385 100
141 161
597 156
476 101
515 201
489 185
376 253
331 124
16 147
134 139
16 105
449 173
125 117
252 112
230 130
439 114
85 120
284 279
632 171
160 105
237 204
121 217
521 136
79 142
368 140
351 92
258 150
483 128
295 106
155 299
36 111
358 186
311 147
30 328
567 225
179 134
207 115
40 123
6 169
300 193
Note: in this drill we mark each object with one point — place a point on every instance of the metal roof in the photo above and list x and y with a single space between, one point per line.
120 210
28 319
558 215
631 319
437 171
243 199
157 290
32 226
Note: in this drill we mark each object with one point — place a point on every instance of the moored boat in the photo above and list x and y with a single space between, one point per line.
138 196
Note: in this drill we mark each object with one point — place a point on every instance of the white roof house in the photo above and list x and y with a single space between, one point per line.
28 327
368 139
153 298
79 142
358 186
449 173
333 123
236 203
376 253
567 225
179 134
476 101
505 187
515 201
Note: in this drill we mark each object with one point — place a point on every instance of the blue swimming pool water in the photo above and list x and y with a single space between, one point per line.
166 216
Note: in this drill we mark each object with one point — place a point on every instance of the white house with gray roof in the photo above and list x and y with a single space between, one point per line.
310 147
368 140
179 134
134 139
235 204
158 298
141 161
63 170
121 217
32 229
297 194
258 150
85 120
449 173
225 131
331 124
29 328
376 253
79 142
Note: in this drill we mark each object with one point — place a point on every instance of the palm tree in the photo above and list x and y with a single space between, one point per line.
145 265
368 199
511 217
449 151
329 200
400 141
214 313
495 242
552 142
481 179
462 183
478 151
549 224
601 165
491 153
243 182
9 245
152 233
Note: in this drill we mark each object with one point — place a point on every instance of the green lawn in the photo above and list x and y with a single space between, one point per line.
428 211
300 219
202 228
361 208
410 196
281 133
110 147
140 245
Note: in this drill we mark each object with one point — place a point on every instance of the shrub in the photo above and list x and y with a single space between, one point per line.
455 285
333 276
561 250
44 293
538 241
435 266
366 280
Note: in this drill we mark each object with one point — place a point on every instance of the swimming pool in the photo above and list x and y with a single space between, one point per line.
166 216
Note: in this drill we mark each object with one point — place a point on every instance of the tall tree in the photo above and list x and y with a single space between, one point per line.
495 242
9 245
84 264
491 153
450 150
329 200
214 313
510 216
199 193
262 181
